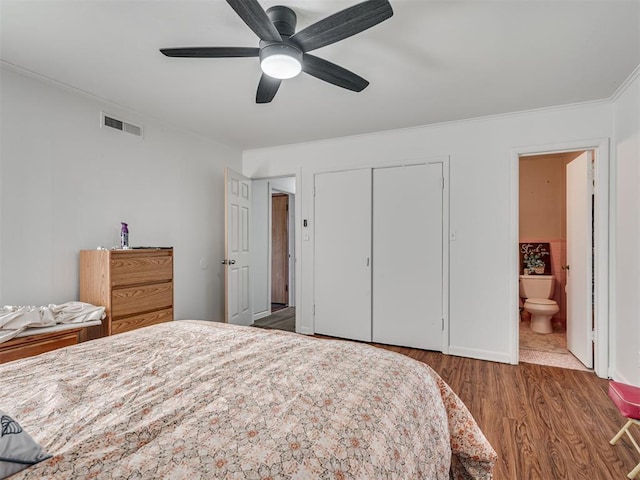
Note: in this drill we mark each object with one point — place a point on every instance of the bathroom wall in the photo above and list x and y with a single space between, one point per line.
543 212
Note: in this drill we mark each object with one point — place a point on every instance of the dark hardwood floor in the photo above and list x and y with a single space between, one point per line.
544 422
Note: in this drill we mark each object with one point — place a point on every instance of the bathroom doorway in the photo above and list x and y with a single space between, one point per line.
541 218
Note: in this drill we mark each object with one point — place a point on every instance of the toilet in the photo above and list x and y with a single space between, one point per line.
537 290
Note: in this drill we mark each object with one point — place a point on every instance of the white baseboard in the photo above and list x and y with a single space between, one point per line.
618 377
480 354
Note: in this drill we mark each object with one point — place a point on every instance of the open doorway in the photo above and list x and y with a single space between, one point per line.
273 253
547 227
594 232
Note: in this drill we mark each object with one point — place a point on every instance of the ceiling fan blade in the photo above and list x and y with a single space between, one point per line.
211 52
256 18
343 24
332 73
267 88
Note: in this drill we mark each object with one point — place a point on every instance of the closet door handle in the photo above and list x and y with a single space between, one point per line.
368 261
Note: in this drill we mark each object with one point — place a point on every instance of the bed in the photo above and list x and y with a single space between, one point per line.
197 400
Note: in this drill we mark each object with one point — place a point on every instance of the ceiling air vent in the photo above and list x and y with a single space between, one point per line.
109 121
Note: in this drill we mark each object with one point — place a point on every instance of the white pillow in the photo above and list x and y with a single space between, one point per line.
17 449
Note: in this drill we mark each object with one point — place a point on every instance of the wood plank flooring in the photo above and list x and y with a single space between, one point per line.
284 319
544 422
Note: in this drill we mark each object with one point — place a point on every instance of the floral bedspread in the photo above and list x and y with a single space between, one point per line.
200 400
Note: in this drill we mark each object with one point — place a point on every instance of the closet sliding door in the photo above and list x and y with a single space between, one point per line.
342 287
407 256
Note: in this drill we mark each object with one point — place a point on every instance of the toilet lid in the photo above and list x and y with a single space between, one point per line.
541 301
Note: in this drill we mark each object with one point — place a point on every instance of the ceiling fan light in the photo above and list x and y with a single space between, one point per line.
281 66
280 61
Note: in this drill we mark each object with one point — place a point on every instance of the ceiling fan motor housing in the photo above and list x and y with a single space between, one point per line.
268 49
283 18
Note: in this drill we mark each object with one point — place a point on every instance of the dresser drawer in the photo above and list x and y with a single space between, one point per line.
144 298
138 321
23 347
127 269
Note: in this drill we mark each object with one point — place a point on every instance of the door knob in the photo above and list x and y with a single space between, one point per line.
228 262
232 262
565 267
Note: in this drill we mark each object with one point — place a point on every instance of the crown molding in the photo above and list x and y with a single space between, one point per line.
624 85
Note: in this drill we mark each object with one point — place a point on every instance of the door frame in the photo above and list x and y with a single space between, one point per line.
603 322
446 264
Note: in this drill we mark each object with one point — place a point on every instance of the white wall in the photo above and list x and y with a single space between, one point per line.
287 184
66 184
480 211
260 246
626 198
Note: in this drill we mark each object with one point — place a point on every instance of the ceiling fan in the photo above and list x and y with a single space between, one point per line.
283 52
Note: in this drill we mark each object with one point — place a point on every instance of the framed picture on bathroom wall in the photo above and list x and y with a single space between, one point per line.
535 258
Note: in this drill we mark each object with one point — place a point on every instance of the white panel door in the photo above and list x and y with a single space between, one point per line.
237 195
407 256
579 258
342 284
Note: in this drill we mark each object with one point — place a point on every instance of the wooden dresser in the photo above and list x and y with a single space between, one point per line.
135 286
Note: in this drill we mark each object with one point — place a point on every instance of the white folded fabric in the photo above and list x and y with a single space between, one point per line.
8 314
69 307
7 334
16 319
76 312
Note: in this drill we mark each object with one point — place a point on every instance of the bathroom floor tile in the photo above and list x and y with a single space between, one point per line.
547 349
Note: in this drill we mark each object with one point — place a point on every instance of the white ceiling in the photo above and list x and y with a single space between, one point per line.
433 61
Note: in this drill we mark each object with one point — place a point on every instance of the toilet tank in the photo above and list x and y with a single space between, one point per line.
536 286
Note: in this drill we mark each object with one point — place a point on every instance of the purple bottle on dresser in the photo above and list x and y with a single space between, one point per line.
124 236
